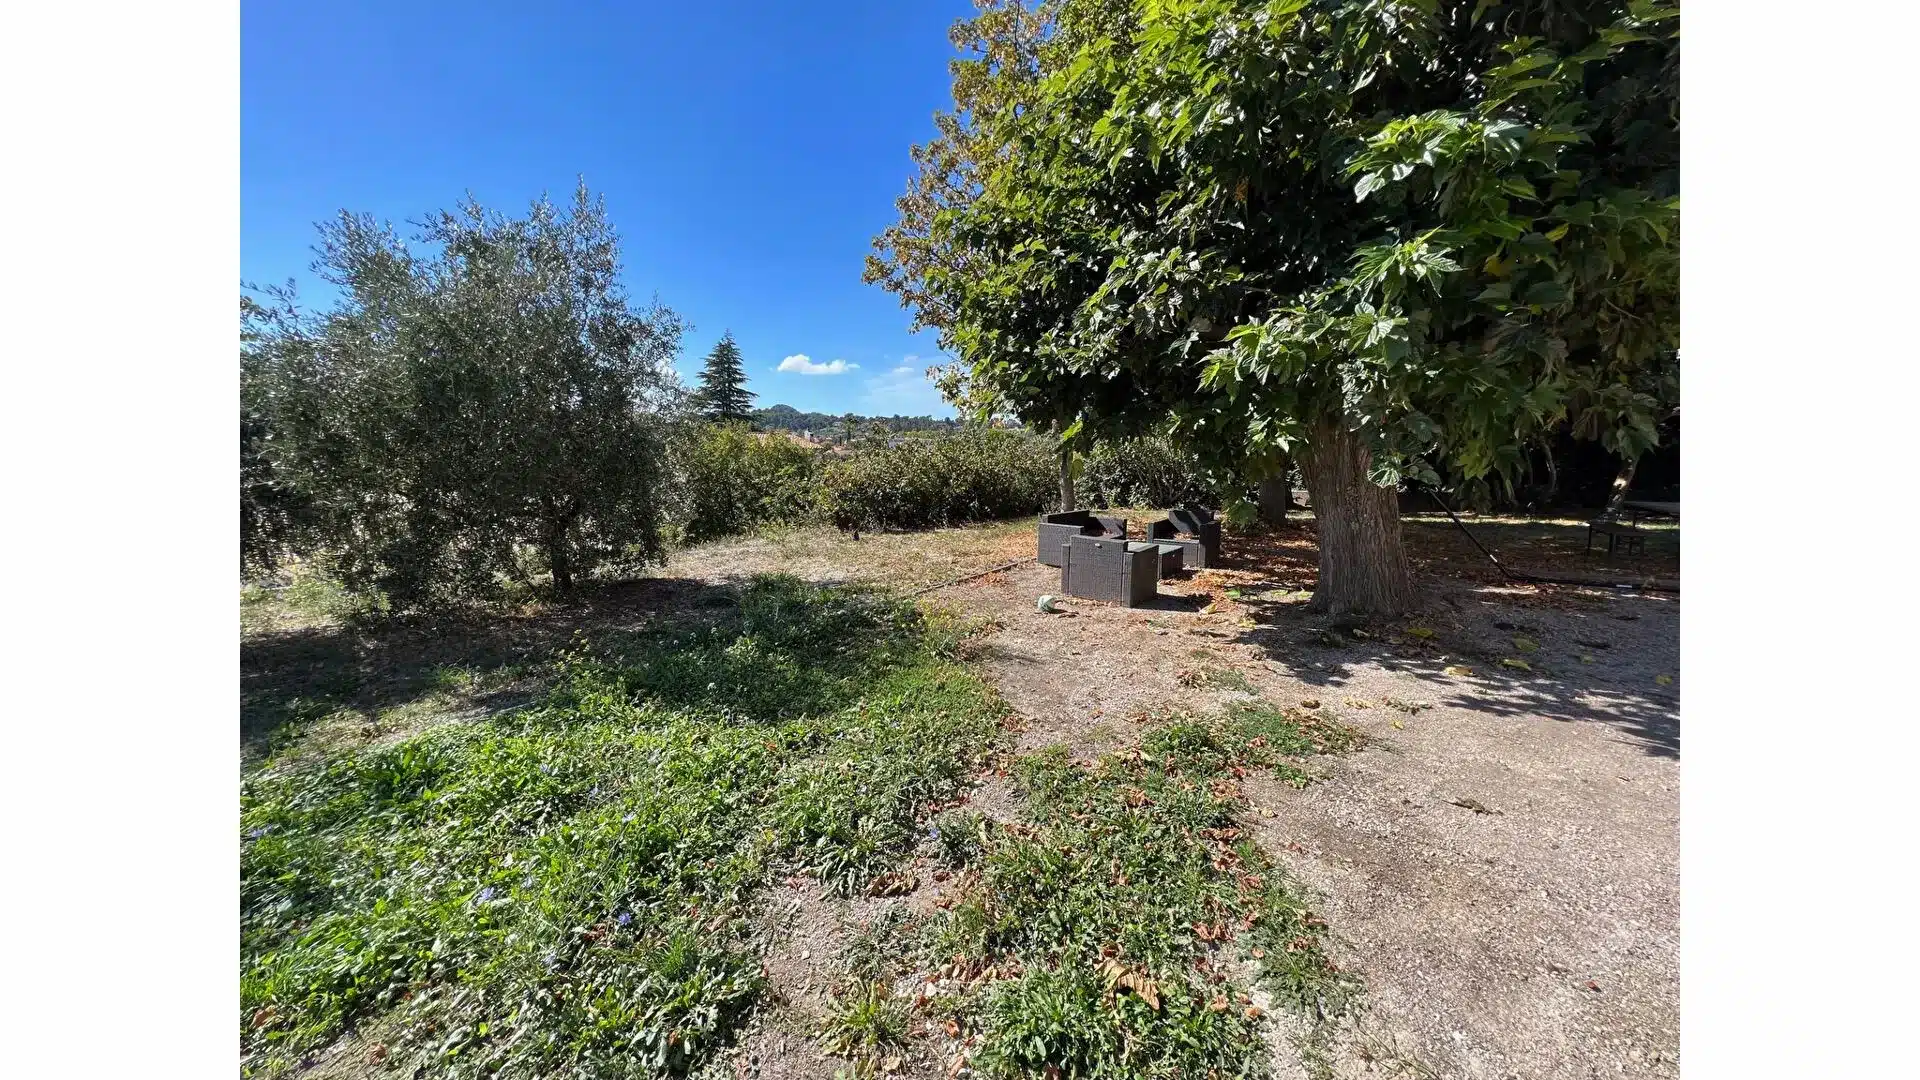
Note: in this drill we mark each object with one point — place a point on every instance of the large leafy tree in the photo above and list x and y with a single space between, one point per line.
723 395
478 394
1388 238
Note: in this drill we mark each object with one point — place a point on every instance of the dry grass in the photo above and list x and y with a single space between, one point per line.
903 560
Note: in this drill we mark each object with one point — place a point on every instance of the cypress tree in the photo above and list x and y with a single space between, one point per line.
723 394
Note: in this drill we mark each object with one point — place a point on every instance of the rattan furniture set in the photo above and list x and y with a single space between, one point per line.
1098 562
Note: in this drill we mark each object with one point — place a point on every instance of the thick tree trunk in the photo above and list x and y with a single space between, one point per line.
1622 481
1363 564
560 559
1067 501
1276 495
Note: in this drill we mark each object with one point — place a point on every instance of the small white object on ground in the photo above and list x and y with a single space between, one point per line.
1046 606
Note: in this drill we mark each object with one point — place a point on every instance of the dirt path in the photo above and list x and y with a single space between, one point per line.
1501 863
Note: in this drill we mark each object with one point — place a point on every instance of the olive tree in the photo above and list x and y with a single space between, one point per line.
1385 238
481 403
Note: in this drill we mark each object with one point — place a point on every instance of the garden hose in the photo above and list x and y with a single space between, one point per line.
970 577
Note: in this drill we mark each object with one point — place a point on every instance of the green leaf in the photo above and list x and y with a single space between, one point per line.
1544 294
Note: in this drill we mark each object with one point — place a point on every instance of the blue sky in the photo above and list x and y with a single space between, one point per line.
748 150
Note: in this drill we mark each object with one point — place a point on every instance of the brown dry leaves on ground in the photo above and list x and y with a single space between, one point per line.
1539 938
1480 936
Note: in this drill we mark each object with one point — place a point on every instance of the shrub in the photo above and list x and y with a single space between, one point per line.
481 390
1149 472
979 474
735 481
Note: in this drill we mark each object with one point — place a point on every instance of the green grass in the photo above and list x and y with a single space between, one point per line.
576 887
1117 922
568 888
863 1023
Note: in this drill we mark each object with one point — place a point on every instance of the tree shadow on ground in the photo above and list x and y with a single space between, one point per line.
1547 545
290 678
1435 546
1475 614
1186 602
1475 627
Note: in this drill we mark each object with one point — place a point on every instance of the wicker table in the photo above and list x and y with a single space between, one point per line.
1172 556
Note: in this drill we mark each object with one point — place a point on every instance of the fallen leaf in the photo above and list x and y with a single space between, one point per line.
1208 610
1663 680
1310 703
1398 724
1218 1004
1356 703
1586 658
1513 663
1143 986
1456 670
892 883
1422 632
1525 644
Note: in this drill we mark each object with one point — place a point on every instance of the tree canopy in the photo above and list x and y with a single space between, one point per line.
480 400
723 395
1391 237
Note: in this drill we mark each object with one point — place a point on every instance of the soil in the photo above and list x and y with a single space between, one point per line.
1501 862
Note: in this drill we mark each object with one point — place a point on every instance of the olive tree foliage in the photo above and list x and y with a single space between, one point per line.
481 404
1386 238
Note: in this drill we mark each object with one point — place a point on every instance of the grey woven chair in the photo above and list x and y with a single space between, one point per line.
1193 529
1058 528
1097 568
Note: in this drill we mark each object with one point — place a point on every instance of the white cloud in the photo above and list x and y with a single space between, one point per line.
803 364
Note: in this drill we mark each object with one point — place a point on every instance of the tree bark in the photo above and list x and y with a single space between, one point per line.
559 559
1276 495
1363 564
1067 501
1622 481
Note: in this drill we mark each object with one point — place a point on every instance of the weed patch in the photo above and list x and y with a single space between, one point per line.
569 887
1121 931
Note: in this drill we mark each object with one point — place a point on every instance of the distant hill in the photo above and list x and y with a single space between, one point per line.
830 428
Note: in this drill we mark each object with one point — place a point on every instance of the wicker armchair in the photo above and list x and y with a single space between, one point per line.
1194 530
1057 529
1097 568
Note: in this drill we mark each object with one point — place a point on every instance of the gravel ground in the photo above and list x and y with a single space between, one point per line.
1532 931
1499 864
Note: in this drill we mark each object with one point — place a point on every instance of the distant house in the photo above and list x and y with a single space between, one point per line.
798 438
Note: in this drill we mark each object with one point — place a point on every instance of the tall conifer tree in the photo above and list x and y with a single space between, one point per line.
723 392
